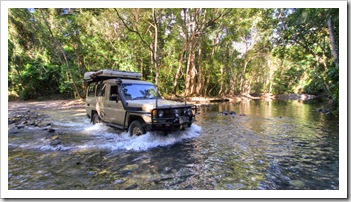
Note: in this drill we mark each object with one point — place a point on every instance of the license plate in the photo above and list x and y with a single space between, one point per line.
183 119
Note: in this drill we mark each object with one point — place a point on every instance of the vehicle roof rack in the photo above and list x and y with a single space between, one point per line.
90 77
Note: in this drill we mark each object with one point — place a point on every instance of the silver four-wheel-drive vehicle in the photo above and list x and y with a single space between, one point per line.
120 99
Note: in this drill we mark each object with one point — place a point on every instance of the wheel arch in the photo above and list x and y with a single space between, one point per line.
92 115
133 117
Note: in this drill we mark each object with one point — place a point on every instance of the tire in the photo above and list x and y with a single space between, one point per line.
96 118
136 128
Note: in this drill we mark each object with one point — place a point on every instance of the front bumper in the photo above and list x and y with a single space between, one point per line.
170 124
171 121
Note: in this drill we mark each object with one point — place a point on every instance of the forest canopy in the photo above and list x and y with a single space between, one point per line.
185 51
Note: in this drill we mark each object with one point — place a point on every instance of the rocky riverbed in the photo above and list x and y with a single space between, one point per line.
263 145
24 115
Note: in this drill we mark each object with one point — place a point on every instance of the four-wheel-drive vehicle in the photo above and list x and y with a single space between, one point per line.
121 99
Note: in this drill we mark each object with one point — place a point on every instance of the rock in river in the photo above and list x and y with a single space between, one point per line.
297 184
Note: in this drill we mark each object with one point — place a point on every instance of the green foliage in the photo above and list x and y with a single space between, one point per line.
36 80
224 51
304 40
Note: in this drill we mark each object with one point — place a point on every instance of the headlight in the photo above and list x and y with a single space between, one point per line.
176 112
190 112
160 113
154 113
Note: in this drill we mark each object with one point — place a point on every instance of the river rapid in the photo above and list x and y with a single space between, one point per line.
266 145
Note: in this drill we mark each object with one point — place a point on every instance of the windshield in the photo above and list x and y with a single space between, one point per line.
139 91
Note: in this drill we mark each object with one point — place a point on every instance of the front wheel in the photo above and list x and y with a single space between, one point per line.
96 118
136 128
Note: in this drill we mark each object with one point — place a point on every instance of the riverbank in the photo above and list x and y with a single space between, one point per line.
206 101
79 103
23 113
45 104
244 97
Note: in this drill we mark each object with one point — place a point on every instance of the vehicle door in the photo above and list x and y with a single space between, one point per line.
90 100
100 100
115 112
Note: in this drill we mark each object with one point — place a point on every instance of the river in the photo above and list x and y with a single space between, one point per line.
266 145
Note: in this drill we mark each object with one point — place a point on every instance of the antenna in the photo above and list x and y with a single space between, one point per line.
156 95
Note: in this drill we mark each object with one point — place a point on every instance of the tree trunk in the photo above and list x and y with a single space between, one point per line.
221 91
182 56
323 74
16 65
180 65
243 79
232 82
199 78
155 56
142 69
335 49
59 45
226 69
80 60
193 72
151 63
152 47
188 76
190 66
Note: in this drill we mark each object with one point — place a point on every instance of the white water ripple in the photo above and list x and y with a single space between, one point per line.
79 134
122 141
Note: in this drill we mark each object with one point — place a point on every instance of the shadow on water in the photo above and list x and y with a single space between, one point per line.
265 145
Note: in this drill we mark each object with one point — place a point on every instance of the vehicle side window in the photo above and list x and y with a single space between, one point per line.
113 93
91 90
100 90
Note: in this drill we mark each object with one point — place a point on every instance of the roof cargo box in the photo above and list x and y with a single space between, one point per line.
110 74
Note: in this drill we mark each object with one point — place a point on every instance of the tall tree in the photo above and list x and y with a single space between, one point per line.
186 52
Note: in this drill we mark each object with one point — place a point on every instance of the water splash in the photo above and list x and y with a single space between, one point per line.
122 141
84 136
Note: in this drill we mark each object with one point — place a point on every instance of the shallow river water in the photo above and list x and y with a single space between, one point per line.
267 145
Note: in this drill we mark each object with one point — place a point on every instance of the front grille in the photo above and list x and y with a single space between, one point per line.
167 114
171 112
